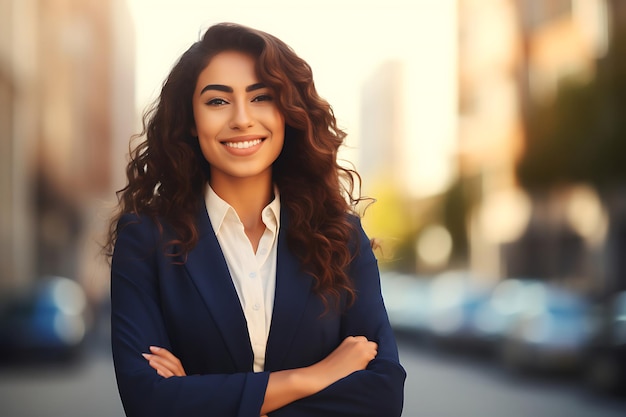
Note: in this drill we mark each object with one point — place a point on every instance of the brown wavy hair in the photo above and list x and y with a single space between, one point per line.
167 172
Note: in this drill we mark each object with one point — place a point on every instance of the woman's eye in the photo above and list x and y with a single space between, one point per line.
263 97
217 102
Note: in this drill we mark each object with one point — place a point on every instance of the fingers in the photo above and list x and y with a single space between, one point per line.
360 345
165 354
164 362
156 364
361 340
353 354
358 348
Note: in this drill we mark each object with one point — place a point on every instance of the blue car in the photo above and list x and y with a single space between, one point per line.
455 314
549 329
45 322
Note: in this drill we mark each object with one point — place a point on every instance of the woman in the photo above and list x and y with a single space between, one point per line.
241 284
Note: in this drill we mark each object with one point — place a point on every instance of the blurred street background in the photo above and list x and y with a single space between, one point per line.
490 133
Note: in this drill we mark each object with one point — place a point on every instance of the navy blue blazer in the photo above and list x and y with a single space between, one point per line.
192 309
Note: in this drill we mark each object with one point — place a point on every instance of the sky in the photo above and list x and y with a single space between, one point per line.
345 42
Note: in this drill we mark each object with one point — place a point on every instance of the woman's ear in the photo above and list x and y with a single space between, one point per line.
194 131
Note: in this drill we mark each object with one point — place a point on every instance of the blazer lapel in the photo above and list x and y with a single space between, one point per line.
293 288
208 270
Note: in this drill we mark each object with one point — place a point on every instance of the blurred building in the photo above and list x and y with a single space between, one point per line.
66 108
383 96
490 126
513 58
515 54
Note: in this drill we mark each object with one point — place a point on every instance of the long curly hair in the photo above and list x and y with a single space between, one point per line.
167 173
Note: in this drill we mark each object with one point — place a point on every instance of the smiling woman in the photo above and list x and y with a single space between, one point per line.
242 281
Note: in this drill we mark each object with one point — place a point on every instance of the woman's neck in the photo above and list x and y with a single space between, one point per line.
248 196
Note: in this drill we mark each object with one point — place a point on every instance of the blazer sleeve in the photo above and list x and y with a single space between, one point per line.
377 391
137 323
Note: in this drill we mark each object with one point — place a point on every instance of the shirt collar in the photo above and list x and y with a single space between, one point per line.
271 212
218 209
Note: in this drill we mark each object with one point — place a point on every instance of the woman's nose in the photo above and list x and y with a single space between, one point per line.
241 118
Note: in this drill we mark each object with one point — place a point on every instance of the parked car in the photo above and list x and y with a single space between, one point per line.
406 299
495 317
457 299
549 329
46 321
606 363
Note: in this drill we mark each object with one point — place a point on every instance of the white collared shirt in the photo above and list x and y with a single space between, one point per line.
253 274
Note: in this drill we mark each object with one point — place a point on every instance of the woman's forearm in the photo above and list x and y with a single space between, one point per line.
285 387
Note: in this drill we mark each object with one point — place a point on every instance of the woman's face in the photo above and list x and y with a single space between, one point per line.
239 127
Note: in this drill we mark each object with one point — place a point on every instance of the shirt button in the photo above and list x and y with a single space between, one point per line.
256 307
252 274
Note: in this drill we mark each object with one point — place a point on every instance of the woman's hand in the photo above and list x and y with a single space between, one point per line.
164 362
353 354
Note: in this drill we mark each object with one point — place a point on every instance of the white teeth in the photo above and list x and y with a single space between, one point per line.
243 145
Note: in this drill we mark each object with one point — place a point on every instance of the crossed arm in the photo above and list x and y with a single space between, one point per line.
287 386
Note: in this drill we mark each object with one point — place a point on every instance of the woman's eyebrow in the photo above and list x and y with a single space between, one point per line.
254 87
227 89
217 87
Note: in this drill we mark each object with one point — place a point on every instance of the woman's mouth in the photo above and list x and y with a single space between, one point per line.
243 144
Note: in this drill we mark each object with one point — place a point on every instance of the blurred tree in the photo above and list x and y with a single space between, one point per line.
456 204
386 219
579 136
399 221
386 216
395 220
